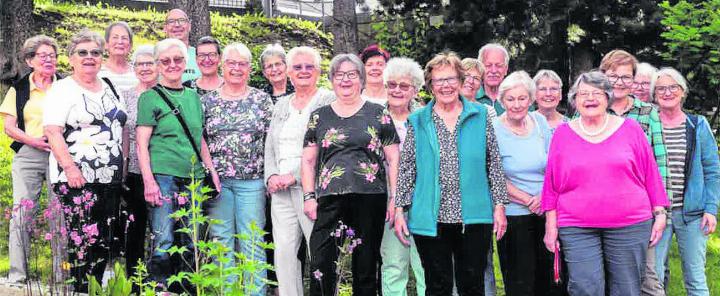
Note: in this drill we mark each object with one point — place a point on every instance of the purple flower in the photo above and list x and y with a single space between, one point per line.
317 274
350 232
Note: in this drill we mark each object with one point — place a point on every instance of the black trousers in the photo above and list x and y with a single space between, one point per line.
135 227
364 213
526 265
458 251
85 255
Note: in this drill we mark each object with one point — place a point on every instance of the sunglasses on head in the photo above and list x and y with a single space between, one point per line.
93 52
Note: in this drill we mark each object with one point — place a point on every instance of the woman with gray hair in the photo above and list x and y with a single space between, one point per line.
548 94
604 233
22 110
171 152
695 180
641 82
523 139
275 70
283 153
117 67
343 177
83 123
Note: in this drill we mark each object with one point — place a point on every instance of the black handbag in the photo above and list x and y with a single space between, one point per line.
207 181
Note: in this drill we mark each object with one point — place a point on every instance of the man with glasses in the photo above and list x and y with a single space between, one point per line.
495 58
177 25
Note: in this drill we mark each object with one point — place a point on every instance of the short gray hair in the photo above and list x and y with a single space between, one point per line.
167 44
672 73
405 67
350 58
32 44
515 79
122 24
493 46
272 50
595 79
305 50
547 74
645 69
85 35
143 50
238 47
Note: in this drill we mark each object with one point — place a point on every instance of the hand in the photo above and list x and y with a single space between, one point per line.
152 193
658 228
499 221
216 180
39 143
551 239
708 223
534 205
286 181
310 208
401 230
390 213
273 184
74 177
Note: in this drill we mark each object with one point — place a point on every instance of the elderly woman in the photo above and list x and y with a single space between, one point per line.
694 177
374 58
119 39
403 78
473 70
344 179
167 155
146 72
641 82
275 71
237 117
452 209
83 123
523 139
283 153
548 94
22 110
604 235
208 59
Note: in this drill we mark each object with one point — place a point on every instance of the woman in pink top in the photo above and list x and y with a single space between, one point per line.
602 188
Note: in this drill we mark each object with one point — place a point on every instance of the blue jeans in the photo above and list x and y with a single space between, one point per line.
240 202
692 244
596 254
161 265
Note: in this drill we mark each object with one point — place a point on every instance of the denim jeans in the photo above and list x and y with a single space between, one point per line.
397 259
606 257
240 202
692 244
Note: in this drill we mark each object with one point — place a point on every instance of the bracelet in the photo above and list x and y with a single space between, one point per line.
662 211
308 196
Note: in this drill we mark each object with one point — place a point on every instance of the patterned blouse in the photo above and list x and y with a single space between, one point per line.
236 133
200 91
131 100
350 157
450 199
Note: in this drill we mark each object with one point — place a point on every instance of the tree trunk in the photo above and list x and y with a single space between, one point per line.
16 23
199 14
344 27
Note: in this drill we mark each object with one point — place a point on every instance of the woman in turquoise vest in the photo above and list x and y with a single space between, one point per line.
451 187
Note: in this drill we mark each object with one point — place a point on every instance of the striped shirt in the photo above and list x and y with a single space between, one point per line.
676 144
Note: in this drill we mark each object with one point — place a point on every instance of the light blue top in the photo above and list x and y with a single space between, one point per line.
191 68
524 159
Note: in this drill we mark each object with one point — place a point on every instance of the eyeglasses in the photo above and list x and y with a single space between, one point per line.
641 85
119 38
472 78
144 64
339 76
96 53
43 57
403 86
624 79
550 90
277 65
663 89
176 60
587 94
497 66
442 81
307 67
177 21
207 56
236 64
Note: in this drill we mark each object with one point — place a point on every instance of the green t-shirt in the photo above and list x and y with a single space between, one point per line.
170 149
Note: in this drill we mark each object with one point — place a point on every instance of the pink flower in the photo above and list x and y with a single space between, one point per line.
246 138
325 143
181 200
63 189
370 177
81 255
48 236
363 165
317 274
88 195
385 119
131 218
91 230
77 200
75 238
27 204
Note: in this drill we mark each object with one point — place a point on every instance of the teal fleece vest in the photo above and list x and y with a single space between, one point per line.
474 187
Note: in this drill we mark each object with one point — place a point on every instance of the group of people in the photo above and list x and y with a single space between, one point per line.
427 187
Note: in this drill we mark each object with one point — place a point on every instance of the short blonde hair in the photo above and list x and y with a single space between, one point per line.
470 63
618 57
447 58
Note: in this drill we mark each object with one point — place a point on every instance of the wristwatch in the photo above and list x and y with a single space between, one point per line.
308 196
662 211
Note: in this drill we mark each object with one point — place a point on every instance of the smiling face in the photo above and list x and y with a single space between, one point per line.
668 93
472 83
208 59
517 102
374 68
303 72
590 101
145 69
400 92
275 69
236 68
495 67
547 94
641 88
621 78
171 64
86 59
177 25
346 82
445 83
44 62
119 43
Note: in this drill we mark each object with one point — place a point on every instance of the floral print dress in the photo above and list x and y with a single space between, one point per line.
236 132
350 156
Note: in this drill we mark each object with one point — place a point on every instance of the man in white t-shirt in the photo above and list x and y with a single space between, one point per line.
177 25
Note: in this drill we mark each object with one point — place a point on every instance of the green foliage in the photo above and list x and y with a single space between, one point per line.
118 285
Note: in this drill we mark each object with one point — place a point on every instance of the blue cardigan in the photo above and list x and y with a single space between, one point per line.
702 170
475 194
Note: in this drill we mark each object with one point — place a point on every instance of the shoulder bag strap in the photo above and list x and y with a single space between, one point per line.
112 87
180 119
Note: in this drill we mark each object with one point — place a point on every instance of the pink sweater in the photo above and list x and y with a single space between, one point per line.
610 184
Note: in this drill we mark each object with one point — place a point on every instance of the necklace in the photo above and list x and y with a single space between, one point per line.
176 95
518 131
600 131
